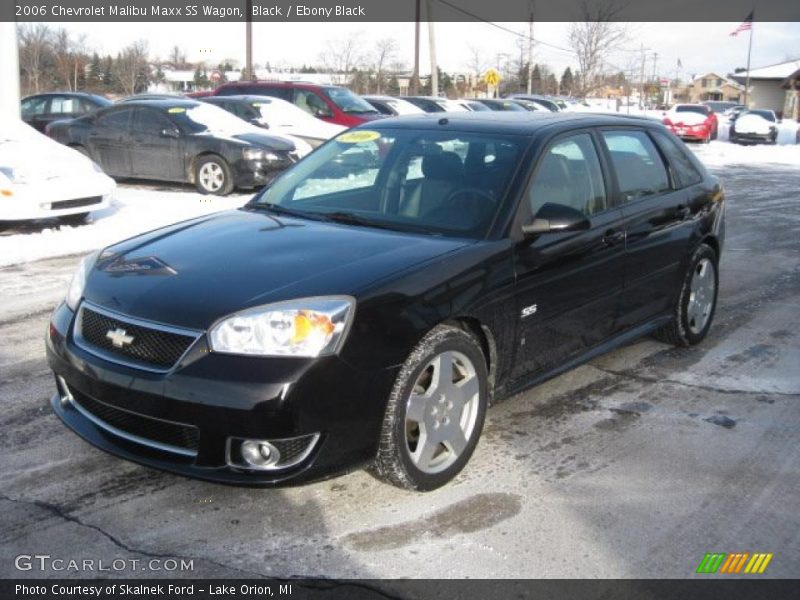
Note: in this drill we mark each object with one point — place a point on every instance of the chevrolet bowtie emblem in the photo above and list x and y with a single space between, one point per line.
119 337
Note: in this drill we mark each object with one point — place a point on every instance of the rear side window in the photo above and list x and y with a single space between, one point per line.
117 119
570 174
686 173
284 93
63 105
34 106
640 170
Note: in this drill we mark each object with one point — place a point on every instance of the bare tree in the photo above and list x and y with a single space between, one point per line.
35 42
385 52
593 39
342 56
177 58
131 69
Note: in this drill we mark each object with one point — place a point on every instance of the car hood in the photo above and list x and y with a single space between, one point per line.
190 274
752 124
273 142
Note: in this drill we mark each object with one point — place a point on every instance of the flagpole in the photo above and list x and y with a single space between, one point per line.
747 79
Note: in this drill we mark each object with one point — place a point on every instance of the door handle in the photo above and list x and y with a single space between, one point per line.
683 212
613 237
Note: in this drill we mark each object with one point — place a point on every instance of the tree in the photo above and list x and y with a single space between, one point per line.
384 53
536 80
593 39
131 69
177 58
34 49
341 57
200 77
567 82
94 77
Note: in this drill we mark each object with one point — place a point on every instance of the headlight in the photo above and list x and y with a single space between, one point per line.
259 154
75 291
307 327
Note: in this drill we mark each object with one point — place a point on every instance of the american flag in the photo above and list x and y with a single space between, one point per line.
746 25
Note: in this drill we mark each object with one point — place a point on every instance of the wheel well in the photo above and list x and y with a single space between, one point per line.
488 346
192 166
713 243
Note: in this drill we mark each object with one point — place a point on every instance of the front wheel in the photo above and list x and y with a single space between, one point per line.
435 412
697 301
213 176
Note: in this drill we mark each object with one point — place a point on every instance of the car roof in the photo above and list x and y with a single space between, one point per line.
81 94
161 102
266 82
520 123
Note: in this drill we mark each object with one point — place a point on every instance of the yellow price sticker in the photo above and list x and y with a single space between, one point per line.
358 137
176 109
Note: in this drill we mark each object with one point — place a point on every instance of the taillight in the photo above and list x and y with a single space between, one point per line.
667 122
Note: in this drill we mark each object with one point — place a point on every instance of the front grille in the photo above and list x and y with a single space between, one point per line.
76 203
149 429
149 345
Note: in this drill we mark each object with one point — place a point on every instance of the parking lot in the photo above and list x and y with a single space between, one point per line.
634 465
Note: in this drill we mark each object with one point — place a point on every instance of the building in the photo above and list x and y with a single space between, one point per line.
767 86
791 105
710 86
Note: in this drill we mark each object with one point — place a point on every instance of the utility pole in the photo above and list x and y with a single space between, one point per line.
530 49
747 79
414 87
641 80
248 53
655 61
432 49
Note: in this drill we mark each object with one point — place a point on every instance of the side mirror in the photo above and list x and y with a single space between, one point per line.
169 132
553 218
259 123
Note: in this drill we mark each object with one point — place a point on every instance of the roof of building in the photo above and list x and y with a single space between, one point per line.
777 71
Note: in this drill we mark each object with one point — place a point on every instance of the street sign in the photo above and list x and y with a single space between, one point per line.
492 77
215 76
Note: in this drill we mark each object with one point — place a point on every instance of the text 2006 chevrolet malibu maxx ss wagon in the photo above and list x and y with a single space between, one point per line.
365 309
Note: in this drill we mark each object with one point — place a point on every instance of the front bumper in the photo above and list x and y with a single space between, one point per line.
57 198
256 173
337 408
754 138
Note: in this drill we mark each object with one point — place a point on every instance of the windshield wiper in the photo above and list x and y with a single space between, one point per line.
351 219
282 210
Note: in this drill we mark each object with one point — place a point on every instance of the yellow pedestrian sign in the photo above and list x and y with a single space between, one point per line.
492 77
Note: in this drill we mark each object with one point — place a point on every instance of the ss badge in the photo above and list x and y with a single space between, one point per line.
529 310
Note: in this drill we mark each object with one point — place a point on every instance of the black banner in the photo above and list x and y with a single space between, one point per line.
395 10
406 589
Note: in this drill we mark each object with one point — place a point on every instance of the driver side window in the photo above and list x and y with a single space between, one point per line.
569 174
311 103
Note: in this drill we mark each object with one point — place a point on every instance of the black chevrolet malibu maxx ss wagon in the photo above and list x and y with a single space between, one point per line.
366 307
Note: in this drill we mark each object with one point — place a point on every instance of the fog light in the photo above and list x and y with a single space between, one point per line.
259 453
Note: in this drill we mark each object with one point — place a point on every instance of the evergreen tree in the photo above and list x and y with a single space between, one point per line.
567 82
536 80
94 78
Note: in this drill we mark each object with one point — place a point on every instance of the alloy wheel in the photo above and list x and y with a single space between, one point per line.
701 295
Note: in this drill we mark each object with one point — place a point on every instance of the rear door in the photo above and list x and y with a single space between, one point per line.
110 143
658 223
155 154
569 284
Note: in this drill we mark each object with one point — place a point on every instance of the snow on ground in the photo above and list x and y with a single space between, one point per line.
721 153
137 209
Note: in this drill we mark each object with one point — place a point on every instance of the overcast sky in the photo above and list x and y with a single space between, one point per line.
700 47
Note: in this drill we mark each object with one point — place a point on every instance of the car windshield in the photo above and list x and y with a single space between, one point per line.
702 110
764 114
349 102
432 182
210 118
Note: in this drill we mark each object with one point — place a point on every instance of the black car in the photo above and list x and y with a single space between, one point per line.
42 109
178 140
542 101
754 126
364 312
502 105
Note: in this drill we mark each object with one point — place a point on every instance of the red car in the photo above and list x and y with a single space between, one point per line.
692 122
327 102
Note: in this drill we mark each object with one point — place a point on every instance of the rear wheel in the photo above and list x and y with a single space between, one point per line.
697 301
435 412
213 176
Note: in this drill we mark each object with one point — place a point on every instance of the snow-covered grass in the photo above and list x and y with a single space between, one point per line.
137 209
722 153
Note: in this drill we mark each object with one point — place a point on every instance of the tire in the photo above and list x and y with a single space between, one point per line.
697 301
425 454
714 133
212 175
74 220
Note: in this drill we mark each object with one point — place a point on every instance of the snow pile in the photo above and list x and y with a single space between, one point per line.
135 211
721 154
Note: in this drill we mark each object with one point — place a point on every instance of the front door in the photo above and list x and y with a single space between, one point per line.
569 284
109 141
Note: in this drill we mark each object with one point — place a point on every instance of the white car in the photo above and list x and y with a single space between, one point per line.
41 179
391 106
280 117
